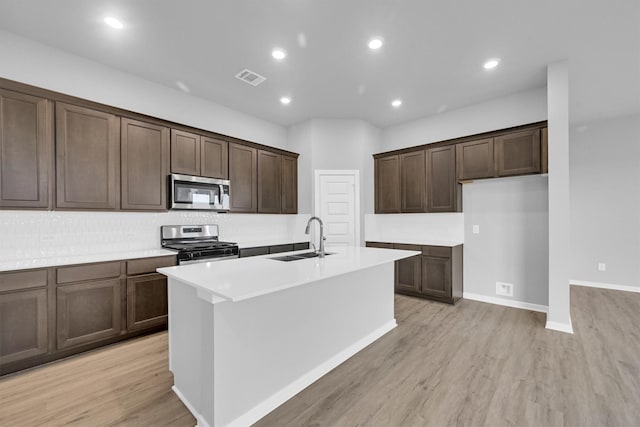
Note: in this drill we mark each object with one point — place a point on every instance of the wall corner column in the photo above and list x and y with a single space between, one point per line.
559 314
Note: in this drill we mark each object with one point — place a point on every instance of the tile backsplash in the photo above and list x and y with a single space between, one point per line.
30 234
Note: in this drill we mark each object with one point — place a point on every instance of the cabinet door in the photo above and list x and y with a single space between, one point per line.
145 166
214 158
87 158
407 270
88 312
185 152
544 150
146 301
443 190
243 174
387 184
518 153
475 159
23 325
436 276
26 136
412 182
289 185
269 182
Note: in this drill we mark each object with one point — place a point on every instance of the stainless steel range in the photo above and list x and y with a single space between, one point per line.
196 243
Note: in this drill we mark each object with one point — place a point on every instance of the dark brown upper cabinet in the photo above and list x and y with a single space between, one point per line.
26 150
145 165
412 182
185 152
289 185
387 184
443 190
475 159
214 158
269 182
87 158
243 174
518 153
544 150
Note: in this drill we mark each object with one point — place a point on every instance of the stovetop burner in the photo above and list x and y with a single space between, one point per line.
196 243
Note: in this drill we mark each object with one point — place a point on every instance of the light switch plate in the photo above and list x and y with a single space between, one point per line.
476 229
602 266
504 289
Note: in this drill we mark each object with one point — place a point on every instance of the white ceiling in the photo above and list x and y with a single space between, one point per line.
432 57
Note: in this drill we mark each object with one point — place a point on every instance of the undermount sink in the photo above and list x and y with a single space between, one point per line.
296 257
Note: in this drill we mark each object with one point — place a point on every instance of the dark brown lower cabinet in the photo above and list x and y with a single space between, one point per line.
23 325
87 312
435 274
146 301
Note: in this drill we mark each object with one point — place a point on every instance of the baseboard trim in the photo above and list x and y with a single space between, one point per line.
560 327
610 286
200 421
286 393
506 302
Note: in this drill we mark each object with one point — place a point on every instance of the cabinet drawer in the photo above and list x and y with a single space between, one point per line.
79 273
300 246
407 247
439 251
380 245
149 265
23 280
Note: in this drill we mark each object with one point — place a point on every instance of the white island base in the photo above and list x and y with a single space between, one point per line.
234 361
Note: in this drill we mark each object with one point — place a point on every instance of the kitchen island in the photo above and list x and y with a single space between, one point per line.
245 335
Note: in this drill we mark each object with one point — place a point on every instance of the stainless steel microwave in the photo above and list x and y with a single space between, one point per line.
198 193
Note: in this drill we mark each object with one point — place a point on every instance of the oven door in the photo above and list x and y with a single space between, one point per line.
198 193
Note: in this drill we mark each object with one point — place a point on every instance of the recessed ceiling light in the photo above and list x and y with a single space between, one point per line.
375 44
491 63
279 53
396 103
113 23
285 100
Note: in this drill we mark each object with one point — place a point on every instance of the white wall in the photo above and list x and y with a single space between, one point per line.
513 242
605 202
39 65
335 144
517 109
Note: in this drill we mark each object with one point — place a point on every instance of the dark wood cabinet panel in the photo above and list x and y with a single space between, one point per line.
149 265
185 152
387 184
269 182
88 312
407 271
146 301
443 191
544 150
23 325
280 248
145 166
289 185
518 153
412 182
26 150
87 158
243 174
436 276
475 159
248 252
19 280
214 158
379 245
82 272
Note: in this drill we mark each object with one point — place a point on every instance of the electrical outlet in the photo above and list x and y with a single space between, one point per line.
47 237
476 229
602 266
504 289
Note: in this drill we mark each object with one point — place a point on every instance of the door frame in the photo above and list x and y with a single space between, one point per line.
356 193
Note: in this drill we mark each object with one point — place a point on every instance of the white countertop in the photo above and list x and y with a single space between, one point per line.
418 241
244 278
80 259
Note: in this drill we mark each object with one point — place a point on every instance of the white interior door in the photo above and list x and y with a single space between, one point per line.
338 206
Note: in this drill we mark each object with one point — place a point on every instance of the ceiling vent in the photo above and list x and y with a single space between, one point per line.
248 76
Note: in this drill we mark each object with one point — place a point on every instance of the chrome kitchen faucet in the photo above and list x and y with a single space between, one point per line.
322 238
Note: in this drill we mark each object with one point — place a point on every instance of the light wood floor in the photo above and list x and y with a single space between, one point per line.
474 364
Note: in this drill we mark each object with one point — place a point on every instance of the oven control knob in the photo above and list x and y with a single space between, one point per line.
227 251
195 254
